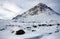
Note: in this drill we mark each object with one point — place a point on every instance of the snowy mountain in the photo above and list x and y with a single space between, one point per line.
40 22
40 13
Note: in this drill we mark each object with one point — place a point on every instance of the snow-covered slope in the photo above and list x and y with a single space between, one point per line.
40 13
31 31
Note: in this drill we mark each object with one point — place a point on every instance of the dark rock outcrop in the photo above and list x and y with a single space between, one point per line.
20 32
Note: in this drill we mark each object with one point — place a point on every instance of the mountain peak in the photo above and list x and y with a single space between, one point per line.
41 7
33 14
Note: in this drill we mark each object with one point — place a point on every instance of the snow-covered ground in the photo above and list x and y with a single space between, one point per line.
48 32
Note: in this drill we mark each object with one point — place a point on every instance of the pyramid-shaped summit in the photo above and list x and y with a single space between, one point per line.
40 13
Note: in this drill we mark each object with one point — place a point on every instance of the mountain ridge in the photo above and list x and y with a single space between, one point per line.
40 5
39 11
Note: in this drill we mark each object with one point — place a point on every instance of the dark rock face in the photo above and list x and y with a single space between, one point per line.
57 31
20 32
17 17
50 25
50 33
58 24
41 6
34 26
29 28
12 32
44 25
33 30
2 29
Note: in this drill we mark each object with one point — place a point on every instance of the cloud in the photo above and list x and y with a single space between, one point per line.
9 10
27 4
11 7
5 14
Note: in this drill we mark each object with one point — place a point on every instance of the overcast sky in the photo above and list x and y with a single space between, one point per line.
11 8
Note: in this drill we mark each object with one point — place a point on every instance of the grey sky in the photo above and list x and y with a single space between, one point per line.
16 7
